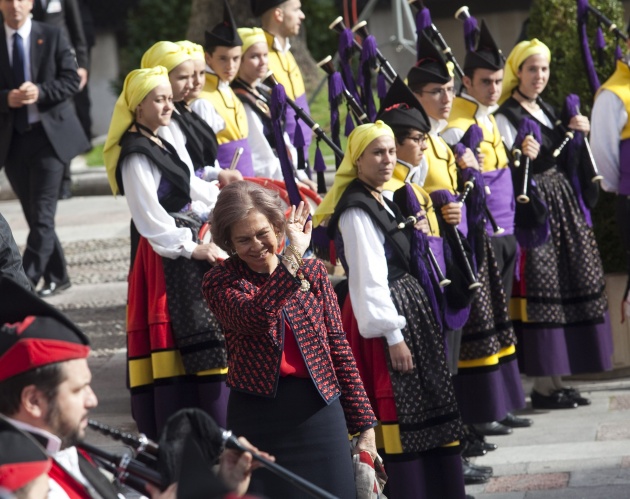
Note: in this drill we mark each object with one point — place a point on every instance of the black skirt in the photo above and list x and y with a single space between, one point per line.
305 435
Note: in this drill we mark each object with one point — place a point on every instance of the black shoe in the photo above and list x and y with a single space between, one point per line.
575 395
52 288
492 429
474 448
515 422
490 446
468 496
557 400
472 475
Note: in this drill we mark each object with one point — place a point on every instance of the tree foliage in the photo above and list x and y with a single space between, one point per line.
205 14
148 22
554 22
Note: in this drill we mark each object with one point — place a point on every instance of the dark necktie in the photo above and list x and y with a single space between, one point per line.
20 122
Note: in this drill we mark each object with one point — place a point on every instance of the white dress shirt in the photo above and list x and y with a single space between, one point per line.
25 33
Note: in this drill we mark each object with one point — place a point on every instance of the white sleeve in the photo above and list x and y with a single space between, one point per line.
207 112
266 164
608 118
452 135
141 180
507 131
368 286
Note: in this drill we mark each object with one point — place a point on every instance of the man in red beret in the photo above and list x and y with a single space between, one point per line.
24 465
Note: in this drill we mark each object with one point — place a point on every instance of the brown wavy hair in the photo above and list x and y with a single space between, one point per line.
235 202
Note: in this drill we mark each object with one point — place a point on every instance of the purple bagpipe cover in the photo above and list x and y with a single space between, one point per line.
225 153
500 199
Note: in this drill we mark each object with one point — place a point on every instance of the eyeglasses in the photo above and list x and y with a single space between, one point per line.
440 92
418 139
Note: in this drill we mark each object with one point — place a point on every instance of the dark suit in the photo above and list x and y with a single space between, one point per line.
35 159
68 18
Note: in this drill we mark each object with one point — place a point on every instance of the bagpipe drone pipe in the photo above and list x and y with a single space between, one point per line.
190 444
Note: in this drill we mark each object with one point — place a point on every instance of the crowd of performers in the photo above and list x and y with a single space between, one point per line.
459 213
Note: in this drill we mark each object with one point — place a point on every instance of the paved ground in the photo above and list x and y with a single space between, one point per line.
581 453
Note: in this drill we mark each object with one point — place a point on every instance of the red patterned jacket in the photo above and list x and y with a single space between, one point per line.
252 308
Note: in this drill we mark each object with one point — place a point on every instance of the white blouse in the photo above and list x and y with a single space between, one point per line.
368 285
141 179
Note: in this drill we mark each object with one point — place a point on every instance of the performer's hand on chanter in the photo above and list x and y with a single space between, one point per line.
452 213
468 160
236 467
422 224
530 147
580 123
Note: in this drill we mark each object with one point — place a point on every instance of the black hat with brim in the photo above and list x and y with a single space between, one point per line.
430 67
225 33
259 7
400 108
487 55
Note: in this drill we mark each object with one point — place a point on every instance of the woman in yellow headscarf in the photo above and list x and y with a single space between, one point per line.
396 340
559 307
256 98
168 370
192 137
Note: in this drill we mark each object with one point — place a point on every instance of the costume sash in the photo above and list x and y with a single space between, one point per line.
500 201
225 153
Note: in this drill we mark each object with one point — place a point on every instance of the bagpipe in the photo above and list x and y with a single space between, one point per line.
272 82
161 464
424 23
584 10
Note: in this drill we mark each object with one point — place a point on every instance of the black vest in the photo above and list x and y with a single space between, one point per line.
260 105
201 141
358 196
551 138
166 160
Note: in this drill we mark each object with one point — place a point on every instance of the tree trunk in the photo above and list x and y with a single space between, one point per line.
205 14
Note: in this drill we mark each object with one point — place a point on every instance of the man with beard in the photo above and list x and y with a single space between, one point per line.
45 391
45 387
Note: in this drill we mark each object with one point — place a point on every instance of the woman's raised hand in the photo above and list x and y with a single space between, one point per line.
298 229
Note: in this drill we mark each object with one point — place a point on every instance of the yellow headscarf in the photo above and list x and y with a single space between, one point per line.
195 50
519 53
136 87
167 54
359 139
251 36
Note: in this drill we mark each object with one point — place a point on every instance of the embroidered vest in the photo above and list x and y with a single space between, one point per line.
442 172
285 69
619 84
462 116
399 180
229 107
